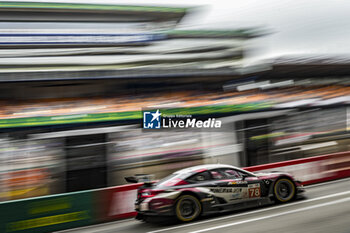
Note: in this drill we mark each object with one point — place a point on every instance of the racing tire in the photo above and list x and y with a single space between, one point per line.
284 190
187 208
146 219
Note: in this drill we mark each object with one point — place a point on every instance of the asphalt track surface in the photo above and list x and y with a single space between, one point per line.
326 208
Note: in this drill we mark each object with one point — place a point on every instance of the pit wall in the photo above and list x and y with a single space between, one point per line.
70 210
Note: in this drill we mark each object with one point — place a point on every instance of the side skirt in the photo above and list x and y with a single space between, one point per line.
220 208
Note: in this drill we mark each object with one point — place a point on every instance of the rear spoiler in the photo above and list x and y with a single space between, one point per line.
140 178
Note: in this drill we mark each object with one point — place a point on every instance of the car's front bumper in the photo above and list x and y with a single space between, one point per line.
300 189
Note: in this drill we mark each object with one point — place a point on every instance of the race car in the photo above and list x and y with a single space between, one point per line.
214 188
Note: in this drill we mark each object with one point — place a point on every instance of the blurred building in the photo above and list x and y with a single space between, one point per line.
74 78
57 41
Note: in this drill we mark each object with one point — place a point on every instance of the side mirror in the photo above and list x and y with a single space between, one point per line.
244 176
144 178
131 179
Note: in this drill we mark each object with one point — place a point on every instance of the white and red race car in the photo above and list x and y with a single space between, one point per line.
205 189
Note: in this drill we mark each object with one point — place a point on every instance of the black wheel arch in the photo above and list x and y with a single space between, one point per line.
188 192
279 178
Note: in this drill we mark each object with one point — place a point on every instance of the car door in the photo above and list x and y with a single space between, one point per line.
231 188
211 182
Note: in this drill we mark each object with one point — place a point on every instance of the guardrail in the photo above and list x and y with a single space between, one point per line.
312 170
117 202
64 211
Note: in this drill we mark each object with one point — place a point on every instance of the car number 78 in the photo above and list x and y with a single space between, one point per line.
254 192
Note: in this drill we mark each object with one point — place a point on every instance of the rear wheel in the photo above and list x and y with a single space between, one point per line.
187 208
284 190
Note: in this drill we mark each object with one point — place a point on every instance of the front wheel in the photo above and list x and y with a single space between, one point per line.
284 190
187 208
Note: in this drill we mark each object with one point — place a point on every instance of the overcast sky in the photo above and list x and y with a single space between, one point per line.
298 26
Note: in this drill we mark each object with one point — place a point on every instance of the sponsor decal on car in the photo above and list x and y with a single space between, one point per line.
226 190
237 182
254 190
235 196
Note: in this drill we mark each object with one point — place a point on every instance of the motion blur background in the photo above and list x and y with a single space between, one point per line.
76 75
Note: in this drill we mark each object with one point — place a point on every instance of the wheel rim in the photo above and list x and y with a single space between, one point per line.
284 190
188 208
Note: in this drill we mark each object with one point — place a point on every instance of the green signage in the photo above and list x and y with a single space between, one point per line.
95 7
47 214
132 115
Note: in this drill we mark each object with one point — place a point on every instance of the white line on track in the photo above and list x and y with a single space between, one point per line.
252 212
274 215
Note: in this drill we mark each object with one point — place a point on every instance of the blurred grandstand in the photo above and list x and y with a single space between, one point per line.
76 76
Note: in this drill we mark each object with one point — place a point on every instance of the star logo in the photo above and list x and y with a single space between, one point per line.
151 120
156 115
